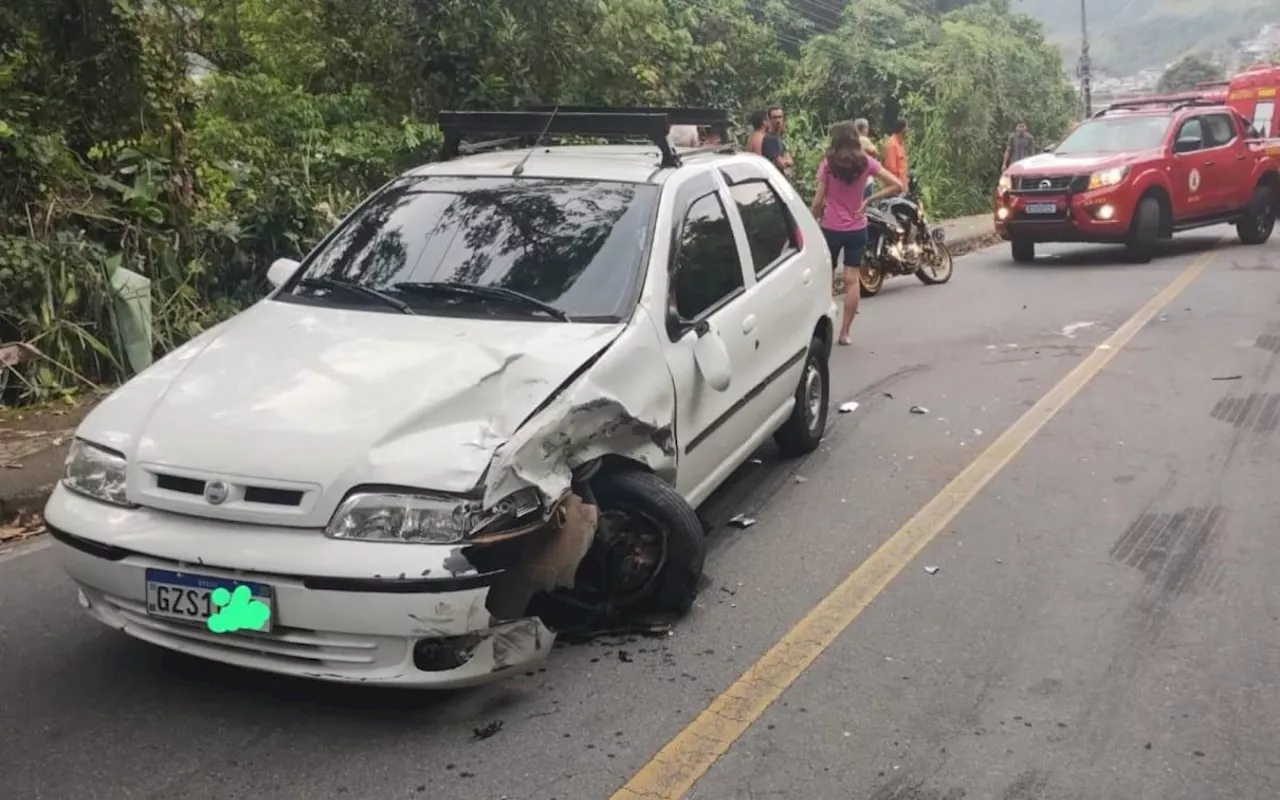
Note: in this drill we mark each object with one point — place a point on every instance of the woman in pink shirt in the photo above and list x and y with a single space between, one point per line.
839 205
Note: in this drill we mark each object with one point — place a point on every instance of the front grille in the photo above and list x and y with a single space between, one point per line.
264 495
1057 184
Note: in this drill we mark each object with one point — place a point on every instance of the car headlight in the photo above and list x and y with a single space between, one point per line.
428 519
96 472
1107 177
1006 184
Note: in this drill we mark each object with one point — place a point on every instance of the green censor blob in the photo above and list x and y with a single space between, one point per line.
238 611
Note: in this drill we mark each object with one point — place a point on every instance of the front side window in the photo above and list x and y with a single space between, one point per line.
490 246
706 269
1117 135
1192 129
1220 130
767 222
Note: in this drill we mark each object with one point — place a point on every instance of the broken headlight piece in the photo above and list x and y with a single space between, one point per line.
427 519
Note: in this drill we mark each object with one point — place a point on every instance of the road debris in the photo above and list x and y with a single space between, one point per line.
977 431
488 730
801 479
624 657
931 570
756 461
889 395
919 410
848 408
742 521
22 528
1229 378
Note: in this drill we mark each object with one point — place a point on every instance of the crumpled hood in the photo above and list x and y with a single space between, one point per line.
1050 164
337 398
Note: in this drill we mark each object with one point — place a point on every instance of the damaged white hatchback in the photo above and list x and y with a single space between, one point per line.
504 377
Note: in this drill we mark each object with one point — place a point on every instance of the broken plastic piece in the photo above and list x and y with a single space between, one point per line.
919 410
742 521
931 570
848 408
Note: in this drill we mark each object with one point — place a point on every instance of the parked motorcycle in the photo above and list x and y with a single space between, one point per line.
901 242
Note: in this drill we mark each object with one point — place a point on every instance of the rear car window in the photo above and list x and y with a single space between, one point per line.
578 245
707 269
767 222
1220 129
1117 135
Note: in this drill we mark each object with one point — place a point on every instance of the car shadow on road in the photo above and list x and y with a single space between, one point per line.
1113 257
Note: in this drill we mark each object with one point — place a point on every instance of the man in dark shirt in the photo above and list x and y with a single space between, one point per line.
1020 146
774 146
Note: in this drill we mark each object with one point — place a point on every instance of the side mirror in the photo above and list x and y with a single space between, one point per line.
712 357
1187 144
281 270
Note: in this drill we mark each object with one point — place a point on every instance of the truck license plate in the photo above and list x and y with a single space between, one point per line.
1042 208
189 598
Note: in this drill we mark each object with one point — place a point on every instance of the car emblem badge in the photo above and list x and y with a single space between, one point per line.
1046 184
216 492
1194 180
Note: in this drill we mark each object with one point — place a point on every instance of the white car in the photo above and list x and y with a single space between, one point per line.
503 375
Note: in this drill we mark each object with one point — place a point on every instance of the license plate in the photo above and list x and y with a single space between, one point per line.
1042 208
190 598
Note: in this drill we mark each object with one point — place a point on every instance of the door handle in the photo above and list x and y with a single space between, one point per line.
749 323
1241 157
1210 163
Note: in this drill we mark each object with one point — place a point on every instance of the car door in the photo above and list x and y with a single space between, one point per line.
1190 178
706 289
1228 162
780 301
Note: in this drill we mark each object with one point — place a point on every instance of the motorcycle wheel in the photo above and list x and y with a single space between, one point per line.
938 265
870 281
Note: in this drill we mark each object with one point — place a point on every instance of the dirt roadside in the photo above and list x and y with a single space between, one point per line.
34 442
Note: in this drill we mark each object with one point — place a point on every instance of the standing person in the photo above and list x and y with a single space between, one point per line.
895 153
759 130
868 146
1020 146
840 205
774 146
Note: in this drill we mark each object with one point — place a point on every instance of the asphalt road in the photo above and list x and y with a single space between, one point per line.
1102 623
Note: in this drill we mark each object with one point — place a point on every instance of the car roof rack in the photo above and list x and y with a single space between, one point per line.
1178 102
528 125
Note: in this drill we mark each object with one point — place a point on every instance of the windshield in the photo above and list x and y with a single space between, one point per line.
1117 135
574 245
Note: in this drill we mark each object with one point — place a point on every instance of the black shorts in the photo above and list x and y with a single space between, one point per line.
853 243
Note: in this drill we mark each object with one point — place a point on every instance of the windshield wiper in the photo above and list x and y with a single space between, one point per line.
356 289
509 296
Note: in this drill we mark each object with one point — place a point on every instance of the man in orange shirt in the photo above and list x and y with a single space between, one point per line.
895 152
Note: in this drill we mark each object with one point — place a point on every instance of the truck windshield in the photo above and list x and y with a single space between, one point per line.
479 245
1117 135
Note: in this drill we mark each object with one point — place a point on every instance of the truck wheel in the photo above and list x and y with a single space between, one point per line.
1258 224
802 432
1145 231
1024 250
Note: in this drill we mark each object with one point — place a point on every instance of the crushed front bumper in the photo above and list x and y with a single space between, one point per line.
408 615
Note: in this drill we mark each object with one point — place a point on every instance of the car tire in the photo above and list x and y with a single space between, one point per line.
1145 232
1023 250
802 432
1260 221
649 500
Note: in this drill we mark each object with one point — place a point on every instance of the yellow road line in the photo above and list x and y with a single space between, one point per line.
686 758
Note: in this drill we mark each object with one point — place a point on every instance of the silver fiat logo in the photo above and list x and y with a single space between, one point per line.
216 493
1046 184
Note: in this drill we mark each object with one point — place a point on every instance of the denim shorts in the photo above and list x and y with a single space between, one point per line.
853 243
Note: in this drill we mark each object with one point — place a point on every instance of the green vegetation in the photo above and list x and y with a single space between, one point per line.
1187 73
191 143
1166 29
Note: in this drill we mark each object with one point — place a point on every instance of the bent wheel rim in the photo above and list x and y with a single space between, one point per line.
627 556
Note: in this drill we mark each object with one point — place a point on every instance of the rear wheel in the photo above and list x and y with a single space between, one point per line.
1145 231
802 432
1023 250
870 281
1260 222
937 264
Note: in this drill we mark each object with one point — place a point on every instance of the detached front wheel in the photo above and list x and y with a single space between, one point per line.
1257 226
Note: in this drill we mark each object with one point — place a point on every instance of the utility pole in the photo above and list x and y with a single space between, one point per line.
1086 87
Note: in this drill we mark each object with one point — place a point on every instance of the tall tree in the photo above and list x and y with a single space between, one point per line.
1187 73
